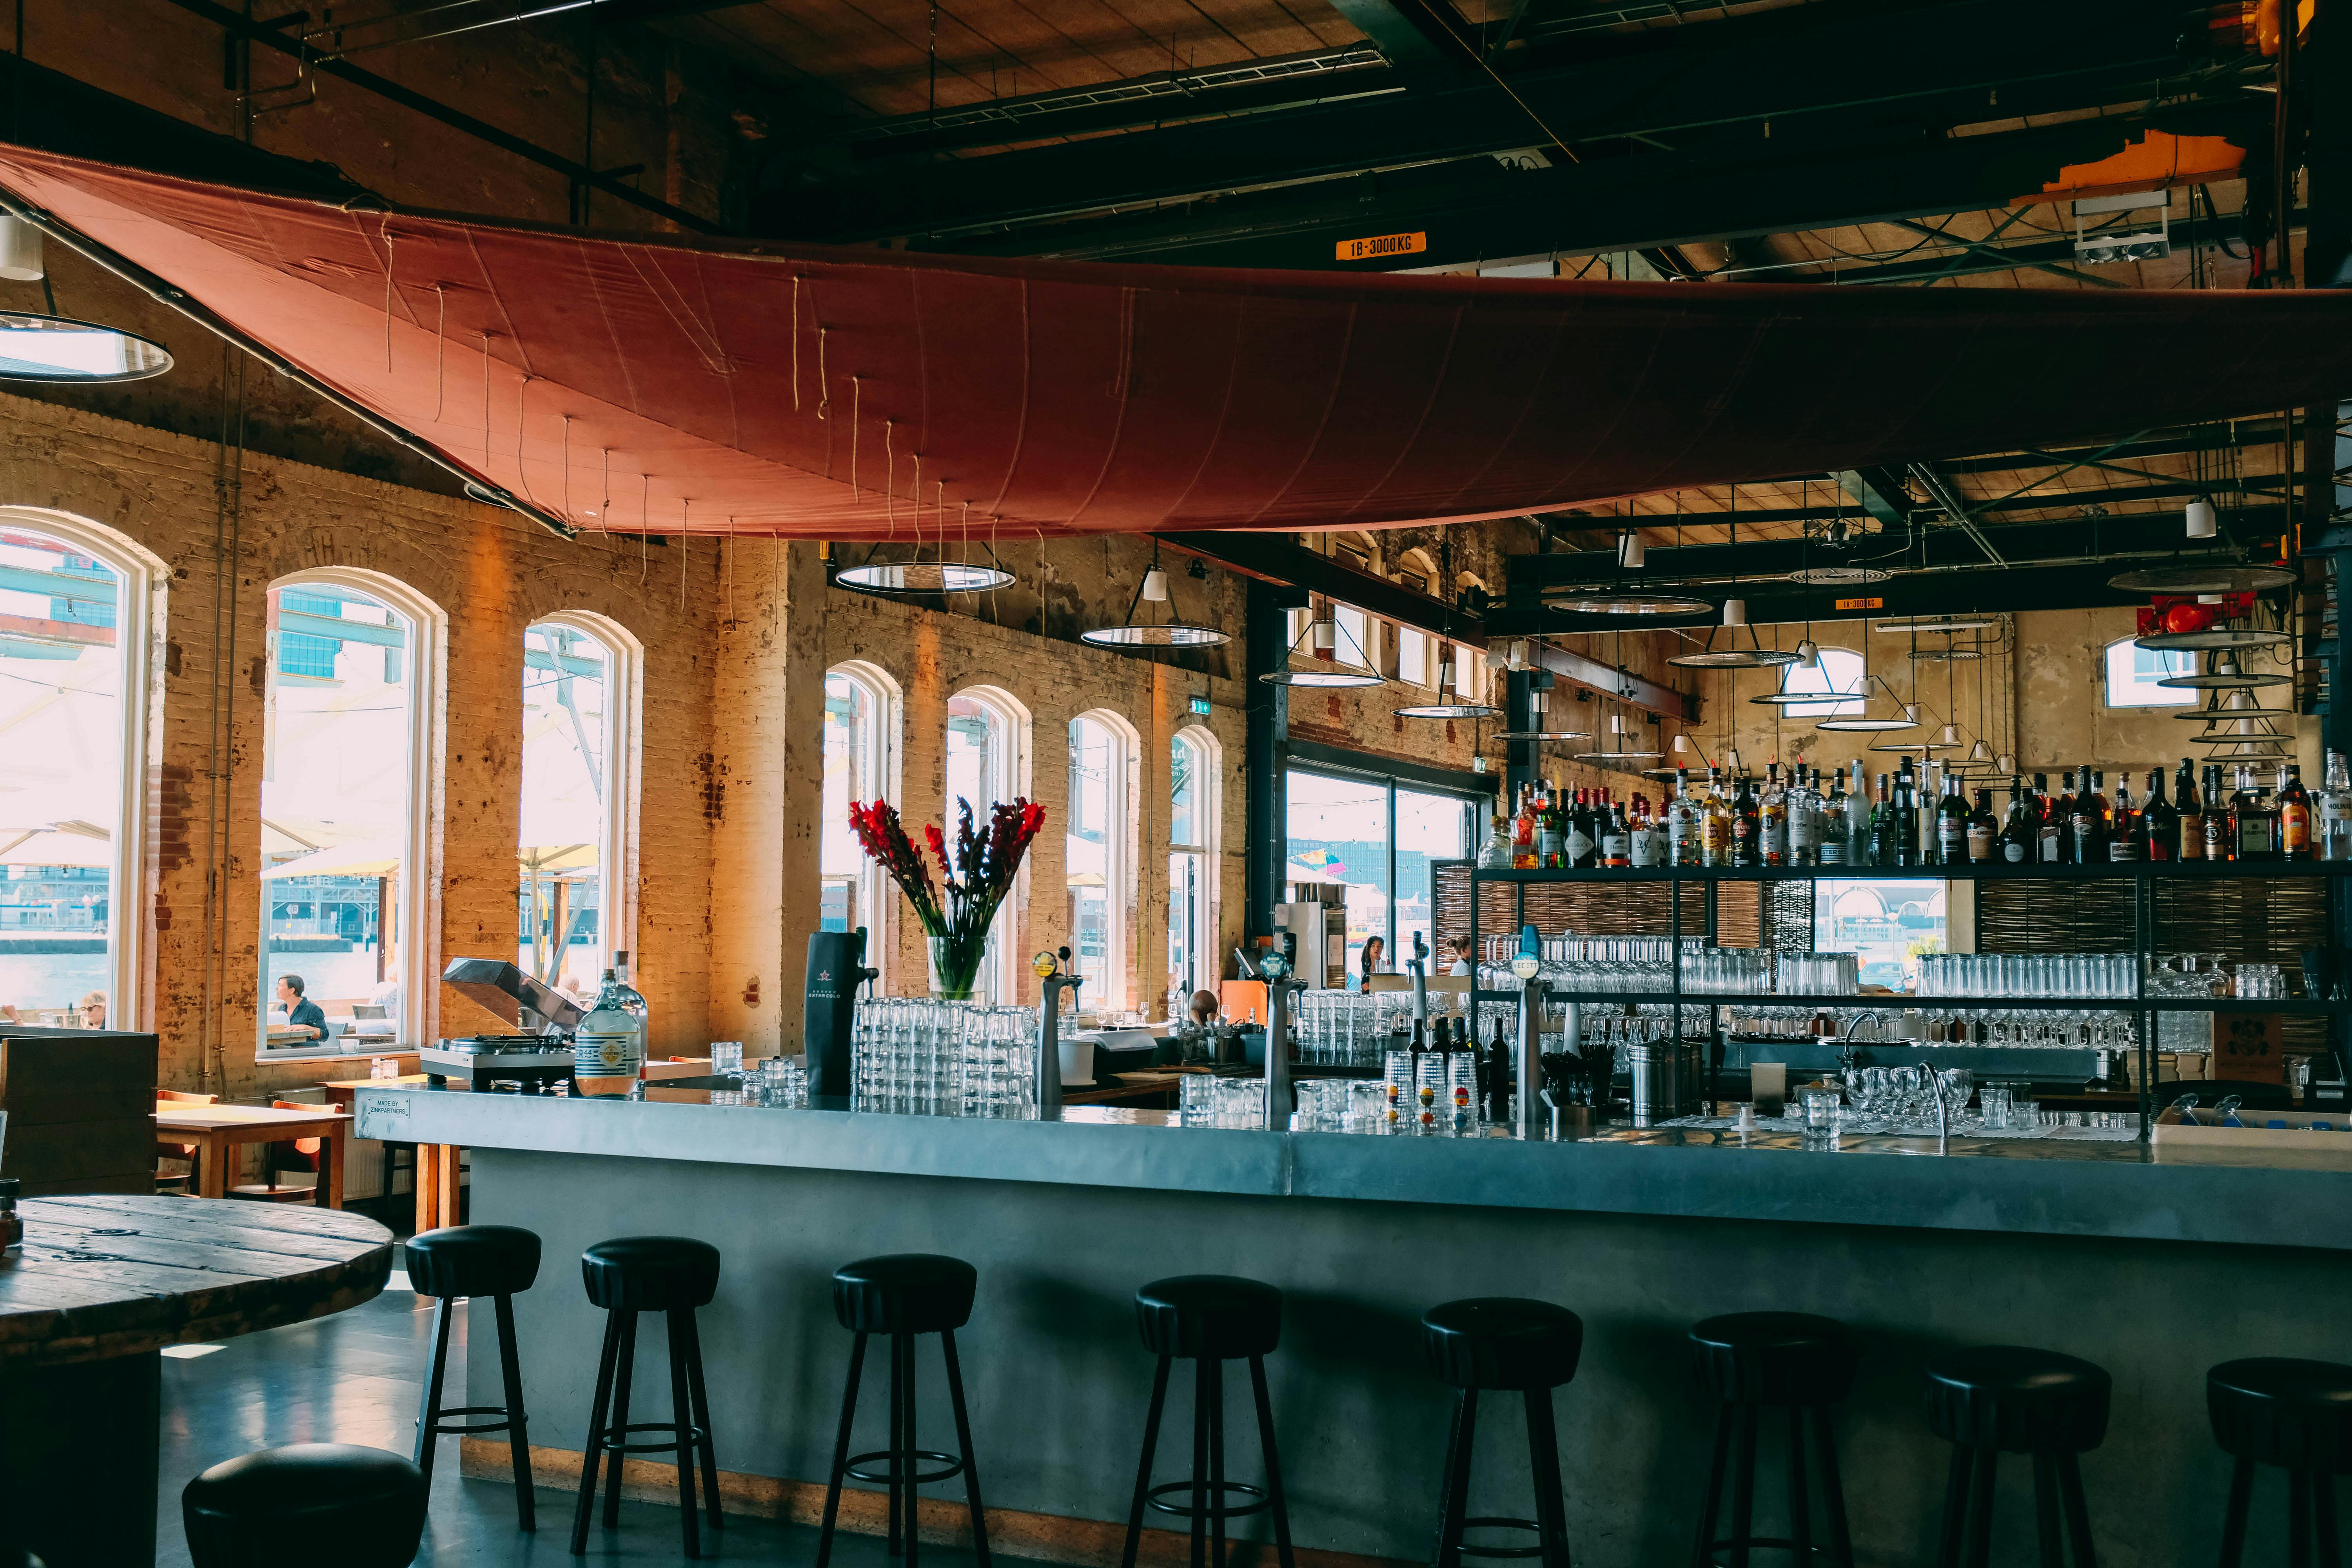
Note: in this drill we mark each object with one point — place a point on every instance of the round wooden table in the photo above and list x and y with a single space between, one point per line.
100 1286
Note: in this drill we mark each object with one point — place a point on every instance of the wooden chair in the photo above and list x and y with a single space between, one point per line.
295 1154
172 1181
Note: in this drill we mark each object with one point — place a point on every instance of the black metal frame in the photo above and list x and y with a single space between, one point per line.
901 1469
1207 1488
431 1421
2143 875
688 1426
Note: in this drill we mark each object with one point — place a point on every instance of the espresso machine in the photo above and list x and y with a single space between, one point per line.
537 1056
836 968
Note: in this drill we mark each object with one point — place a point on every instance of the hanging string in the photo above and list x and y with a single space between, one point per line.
824 387
486 404
440 350
730 548
889 478
683 507
644 529
566 450
796 342
522 423
605 505
855 390
387 291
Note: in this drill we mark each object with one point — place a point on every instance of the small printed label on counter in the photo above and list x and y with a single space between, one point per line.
1383 245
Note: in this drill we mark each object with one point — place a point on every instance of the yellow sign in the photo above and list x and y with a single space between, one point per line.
1862 604
1382 244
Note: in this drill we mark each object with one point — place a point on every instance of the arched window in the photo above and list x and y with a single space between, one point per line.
1839 670
579 798
987 762
2133 672
75 669
1098 857
861 736
1194 779
349 790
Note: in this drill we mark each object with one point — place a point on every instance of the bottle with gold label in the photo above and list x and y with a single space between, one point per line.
1715 822
2294 804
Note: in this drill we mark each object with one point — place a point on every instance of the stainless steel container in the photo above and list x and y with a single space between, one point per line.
1665 1079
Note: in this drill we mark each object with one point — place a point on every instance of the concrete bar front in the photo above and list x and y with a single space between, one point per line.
2153 1270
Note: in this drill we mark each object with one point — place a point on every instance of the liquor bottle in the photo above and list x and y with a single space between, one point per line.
2189 828
1905 820
1550 832
1642 850
1747 845
2294 835
2090 819
2257 819
1831 833
2220 825
2160 822
2335 811
1928 798
1773 818
1523 833
608 1044
1715 822
2058 842
2020 829
1498 1078
1617 837
1984 829
1952 826
1575 829
2125 826
1885 832
1682 822
1858 800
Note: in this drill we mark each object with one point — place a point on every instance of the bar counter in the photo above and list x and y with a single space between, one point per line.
2155 1266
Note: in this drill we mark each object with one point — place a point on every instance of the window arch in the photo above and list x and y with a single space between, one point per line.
862 715
1195 782
575 851
350 802
988 761
1098 854
77 723
1838 670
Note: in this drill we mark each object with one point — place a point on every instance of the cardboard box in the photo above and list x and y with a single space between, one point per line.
2250 1046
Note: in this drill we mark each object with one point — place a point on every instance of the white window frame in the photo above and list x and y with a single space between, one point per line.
999 972
139 630
1208 819
2136 693
1355 632
871 894
617 853
1120 879
425 673
1416 657
1791 674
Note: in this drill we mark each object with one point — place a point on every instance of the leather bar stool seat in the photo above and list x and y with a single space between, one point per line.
2013 1399
358 1508
473 1260
1751 1361
905 1293
650 1274
2297 1415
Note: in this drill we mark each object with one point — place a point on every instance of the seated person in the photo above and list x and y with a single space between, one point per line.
93 1010
1460 947
301 1013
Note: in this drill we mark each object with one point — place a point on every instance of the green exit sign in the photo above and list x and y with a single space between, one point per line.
1200 705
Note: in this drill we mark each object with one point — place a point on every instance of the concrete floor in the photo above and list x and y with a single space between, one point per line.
355 1378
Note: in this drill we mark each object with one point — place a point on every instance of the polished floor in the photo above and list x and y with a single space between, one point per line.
355 1378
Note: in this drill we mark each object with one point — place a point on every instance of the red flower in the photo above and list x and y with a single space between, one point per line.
978 873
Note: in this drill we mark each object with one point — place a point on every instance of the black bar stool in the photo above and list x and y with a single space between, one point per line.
1999 1399
903 1295
670 1274
1791 1361
493 1260
358 1508
2296 1414
1502 1343
1209 1320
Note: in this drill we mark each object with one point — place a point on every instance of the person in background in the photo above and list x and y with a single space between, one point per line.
1203 1006
1375 948
301 1013
93 1010
1460 947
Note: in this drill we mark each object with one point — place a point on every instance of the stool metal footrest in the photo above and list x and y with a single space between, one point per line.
1774 1542
889 1475
1151 1499
610 1442
1530 1525
443 1430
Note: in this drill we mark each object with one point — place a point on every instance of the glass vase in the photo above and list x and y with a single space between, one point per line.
955 967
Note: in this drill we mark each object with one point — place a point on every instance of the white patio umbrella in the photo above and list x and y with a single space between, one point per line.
56 844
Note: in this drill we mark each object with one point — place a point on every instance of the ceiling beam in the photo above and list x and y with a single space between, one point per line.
1933 64
1274 558
1403 32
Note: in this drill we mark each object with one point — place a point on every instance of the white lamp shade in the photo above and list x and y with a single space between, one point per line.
1950 736
2201 520
20 251
1155 585
1735 612
1681 745
1631 551
1518 656
1809 653
1324 637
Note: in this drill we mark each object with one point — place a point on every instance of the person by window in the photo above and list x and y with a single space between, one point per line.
1204 1007
93 1010
301 1013
1374 949
1460 947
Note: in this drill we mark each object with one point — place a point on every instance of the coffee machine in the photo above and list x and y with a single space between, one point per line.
836 968
537 1056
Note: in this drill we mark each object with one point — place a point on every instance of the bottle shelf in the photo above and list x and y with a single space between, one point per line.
2300 1007
1983 871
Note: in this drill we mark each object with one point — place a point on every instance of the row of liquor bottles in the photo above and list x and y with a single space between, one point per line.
1910 820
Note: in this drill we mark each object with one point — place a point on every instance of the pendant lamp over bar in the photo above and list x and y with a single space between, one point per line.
1633 602
1323 632
1537 701
1148 634
1449 680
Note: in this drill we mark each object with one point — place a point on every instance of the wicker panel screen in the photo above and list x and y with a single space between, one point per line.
1590 909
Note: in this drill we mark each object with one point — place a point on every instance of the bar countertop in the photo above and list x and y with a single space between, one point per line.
2050 1187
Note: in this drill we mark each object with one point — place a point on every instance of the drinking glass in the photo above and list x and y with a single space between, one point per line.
1367 1105
1196 1101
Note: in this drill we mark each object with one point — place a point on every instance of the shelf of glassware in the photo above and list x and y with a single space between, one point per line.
1986 870
2299 1007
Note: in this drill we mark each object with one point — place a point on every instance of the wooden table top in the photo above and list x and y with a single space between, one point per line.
113 1276
213 1118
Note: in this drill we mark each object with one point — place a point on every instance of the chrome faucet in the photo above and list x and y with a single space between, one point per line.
1878 1029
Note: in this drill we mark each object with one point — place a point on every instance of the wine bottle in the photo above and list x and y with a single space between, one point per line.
2021 830
2058 829
1906 819
2189 829
2090 820
1746 840
2161 820
2124 824
1952 826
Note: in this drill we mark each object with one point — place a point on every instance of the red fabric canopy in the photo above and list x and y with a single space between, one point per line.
635 383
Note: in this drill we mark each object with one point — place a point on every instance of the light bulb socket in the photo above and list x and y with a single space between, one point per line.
2201 521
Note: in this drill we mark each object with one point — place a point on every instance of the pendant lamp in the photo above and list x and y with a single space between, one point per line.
51 347
1323 634
1152 633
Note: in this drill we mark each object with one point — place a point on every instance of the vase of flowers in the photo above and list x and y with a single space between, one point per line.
976 874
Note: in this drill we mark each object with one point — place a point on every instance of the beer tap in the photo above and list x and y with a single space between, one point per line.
1052 981
1531 1123
1280 969
1418 967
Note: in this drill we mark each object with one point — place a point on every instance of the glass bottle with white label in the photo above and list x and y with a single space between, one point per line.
2335 811
608 1045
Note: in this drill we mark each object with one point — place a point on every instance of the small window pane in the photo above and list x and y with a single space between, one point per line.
2133 672
1840 669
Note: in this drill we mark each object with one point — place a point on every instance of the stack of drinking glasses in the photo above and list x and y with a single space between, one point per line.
1727 971
1818 975
921 1056
2261 983
2025 974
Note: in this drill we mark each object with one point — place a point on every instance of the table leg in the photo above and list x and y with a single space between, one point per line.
331 1176
213 1159
436 1185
